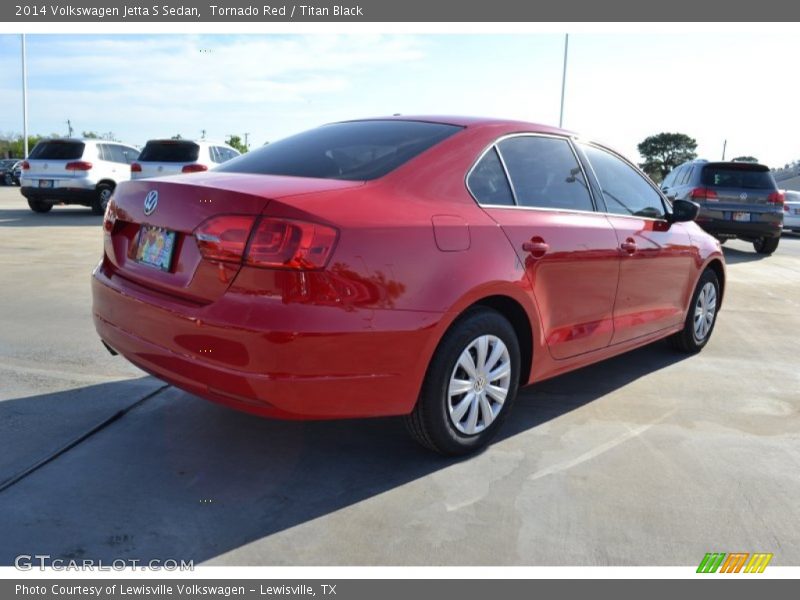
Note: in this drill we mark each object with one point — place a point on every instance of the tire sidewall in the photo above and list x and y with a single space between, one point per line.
707 276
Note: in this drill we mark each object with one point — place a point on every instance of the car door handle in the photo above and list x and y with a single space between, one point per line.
536 246
629 245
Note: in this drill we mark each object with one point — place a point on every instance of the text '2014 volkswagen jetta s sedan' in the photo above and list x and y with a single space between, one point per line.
424 267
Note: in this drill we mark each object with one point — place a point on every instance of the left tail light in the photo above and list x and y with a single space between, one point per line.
270 243
136 168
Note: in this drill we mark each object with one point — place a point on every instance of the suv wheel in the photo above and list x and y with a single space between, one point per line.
702 315
39 206
766 245
470 385
104 191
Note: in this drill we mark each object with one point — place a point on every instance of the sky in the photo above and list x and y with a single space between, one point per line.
620 87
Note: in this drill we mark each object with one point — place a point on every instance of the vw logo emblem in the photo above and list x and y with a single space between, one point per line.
150 202
742 196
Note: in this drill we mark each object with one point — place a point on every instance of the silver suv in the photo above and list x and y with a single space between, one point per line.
75 171
171 157
737 200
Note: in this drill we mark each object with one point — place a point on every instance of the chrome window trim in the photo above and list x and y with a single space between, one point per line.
573 210
495 144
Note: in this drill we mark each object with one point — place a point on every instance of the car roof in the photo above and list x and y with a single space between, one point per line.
472 122
85 140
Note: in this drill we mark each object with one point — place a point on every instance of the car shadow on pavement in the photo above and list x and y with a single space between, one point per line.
735 256
177 477
58 217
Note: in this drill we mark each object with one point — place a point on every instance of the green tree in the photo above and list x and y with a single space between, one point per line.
91 135
177 136
664 152
745 159
235 141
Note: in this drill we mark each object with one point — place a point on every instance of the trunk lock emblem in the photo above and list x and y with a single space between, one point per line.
150 202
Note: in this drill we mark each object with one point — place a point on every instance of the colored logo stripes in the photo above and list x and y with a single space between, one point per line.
734 563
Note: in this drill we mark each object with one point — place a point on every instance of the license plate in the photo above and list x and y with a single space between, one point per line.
45 183
154 247
741 216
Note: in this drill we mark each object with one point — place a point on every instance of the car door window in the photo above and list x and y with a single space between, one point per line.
670 179
687 176
625 191
103 152
545 173
488 183
215 157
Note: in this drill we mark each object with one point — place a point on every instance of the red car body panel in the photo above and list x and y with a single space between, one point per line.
414 251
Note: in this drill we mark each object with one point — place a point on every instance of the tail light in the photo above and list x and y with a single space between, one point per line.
290 244
275 243
79 165
110 217
26 165
702 193
775 198
195 168
136 168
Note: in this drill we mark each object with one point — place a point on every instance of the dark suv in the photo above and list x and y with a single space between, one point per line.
737 200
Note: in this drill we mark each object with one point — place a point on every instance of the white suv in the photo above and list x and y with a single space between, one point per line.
75 171
171 157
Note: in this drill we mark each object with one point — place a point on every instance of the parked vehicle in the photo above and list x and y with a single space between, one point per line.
791 211
16 173
423 267
75 171
7 167
169 157
737 200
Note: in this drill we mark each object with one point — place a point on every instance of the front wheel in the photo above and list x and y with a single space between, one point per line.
702 315
470 385
766 245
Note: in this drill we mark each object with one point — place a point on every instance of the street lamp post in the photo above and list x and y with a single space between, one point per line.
24 100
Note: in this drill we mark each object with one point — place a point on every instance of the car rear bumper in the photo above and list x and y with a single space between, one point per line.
368 365
55 195
750 229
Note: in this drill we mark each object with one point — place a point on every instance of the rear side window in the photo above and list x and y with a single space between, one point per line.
58 150
625 191
545 173
487 182
748 176
354 151
169 151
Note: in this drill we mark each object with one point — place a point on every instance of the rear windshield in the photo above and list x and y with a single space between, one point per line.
57 150
169 151
355 151
752 177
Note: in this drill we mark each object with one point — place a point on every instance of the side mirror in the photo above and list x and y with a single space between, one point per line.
683 210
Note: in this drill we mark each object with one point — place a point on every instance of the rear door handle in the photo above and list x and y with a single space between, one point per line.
536 246
629 245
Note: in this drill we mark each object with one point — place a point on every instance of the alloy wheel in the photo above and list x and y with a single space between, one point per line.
705 309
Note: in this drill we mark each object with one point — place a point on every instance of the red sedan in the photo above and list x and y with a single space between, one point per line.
424 267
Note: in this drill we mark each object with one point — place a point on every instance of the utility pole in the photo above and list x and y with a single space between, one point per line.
69 128
724 146
203 131
24 100
563 80
246 145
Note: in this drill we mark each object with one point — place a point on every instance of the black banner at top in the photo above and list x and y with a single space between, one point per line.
371 11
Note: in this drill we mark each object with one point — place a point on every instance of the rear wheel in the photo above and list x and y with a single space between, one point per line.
766 245
702 315
100 203
470 385
39 206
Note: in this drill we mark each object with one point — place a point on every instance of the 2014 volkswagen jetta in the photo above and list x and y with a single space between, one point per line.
424 267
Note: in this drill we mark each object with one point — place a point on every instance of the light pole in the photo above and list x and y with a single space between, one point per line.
24 100
563 80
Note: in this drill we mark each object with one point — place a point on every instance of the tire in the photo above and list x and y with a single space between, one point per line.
39 206
467 420
7 180
694 336
104 191
766 245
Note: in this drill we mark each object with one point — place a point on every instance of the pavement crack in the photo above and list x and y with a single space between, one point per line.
14 479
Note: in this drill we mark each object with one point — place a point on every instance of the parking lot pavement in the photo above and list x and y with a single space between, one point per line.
651 458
